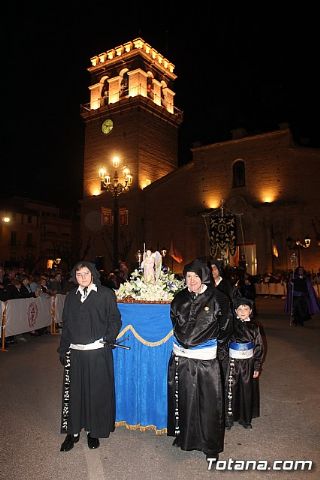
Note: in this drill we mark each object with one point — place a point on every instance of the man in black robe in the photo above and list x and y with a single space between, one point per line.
91 323
201 321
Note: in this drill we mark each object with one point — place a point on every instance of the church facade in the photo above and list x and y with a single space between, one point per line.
266 184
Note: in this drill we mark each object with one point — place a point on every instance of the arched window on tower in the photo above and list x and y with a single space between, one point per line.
105 93
124 85
239 174
150 87
163 98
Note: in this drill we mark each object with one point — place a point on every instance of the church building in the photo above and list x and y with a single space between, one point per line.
253 199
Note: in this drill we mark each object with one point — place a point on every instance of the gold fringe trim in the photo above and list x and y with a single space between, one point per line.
162 431
134 300
142 340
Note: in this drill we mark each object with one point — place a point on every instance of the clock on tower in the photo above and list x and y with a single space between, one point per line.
107 126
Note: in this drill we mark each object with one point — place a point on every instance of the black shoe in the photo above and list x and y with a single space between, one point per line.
93 442
247 425
68 443
34 333
10 341
214 457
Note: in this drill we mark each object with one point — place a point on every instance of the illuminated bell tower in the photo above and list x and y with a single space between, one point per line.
131 114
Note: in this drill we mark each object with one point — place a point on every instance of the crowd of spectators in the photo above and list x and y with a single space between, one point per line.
17 283
283 277
237 275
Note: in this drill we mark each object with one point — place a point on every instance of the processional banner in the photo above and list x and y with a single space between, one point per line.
222 233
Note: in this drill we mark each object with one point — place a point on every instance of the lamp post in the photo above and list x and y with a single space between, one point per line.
115 185
298 245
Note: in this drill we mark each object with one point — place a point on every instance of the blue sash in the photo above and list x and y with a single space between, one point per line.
241 346
209 343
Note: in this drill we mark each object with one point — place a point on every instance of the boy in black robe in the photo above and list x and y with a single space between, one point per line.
245 362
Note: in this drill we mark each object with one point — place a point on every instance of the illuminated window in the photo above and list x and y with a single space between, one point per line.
239 174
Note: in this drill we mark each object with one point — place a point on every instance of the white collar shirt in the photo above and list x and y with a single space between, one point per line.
84 295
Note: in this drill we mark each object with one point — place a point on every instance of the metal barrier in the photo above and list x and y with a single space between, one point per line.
278 289
27 314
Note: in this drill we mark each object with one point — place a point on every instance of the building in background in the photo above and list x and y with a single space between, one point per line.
266 187
37 235
131 114
270 186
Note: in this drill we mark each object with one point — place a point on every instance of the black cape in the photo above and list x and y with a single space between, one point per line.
200 388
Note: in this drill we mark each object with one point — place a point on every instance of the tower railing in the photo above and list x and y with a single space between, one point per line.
109 101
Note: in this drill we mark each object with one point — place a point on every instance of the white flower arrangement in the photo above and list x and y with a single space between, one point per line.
161 291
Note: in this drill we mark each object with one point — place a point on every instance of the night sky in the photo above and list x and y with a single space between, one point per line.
235 69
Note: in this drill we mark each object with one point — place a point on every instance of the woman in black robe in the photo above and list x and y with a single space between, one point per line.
245 362
90 317
221 283
200 318
219 279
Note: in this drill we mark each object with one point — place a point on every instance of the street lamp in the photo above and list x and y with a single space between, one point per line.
297 245
115 185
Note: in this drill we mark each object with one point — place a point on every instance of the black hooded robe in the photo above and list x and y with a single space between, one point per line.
200 388
242 396
91 396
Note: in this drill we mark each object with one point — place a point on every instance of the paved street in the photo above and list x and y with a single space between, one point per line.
288 429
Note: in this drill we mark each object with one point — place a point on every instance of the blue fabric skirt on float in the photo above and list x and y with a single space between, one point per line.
141 372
